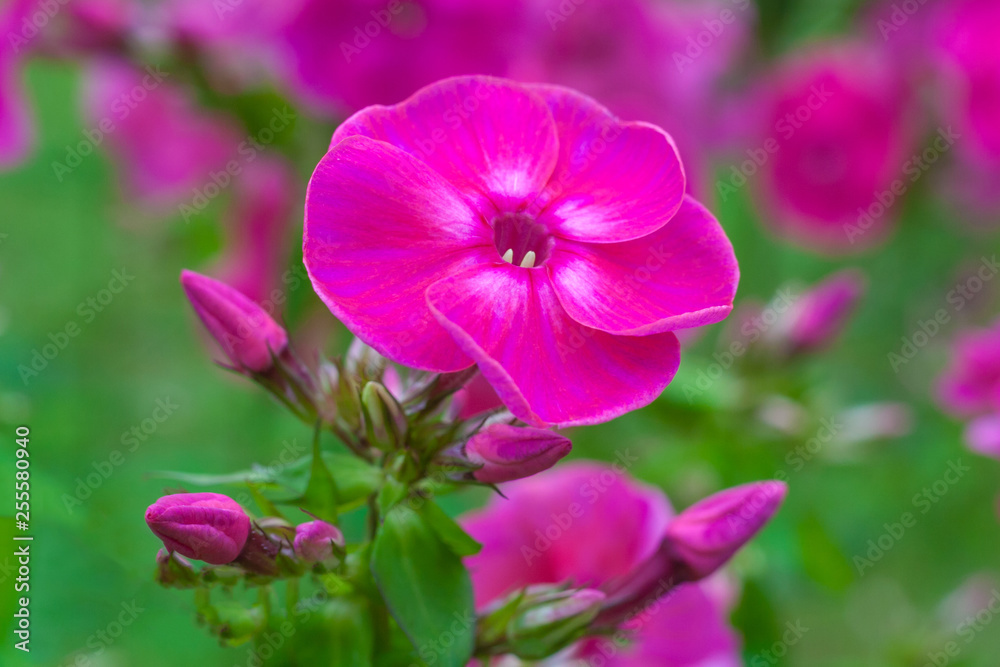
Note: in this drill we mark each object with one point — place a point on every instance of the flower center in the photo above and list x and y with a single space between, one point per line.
520 240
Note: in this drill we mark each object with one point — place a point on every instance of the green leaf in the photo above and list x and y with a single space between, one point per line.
355 479
351 636
320 497
459 541
391 494
267 507
258 477
426 588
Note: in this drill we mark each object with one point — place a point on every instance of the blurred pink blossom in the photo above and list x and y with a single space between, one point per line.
348 54
657 61
820 315
837 131
166 146
983 435
265 193
965 55
590 524
970 385
16 124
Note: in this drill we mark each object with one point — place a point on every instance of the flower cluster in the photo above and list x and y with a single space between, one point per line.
509 250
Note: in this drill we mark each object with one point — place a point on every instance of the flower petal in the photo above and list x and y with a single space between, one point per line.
380 228
682 275
492 139
614 181
547 368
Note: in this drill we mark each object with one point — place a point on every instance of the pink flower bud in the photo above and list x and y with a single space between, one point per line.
315 540
245 331
821 314
707 534
508 452
206 526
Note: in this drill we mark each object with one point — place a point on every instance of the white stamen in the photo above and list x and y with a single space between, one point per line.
509 256
529 260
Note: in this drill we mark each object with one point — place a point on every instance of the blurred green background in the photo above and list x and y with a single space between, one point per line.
93 558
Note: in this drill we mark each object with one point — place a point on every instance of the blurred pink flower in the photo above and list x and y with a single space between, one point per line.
100 24
522 228
835 138
265 193
352 53
970 385
820 315
983 435
166 147
965 55
968 55
657 61
590 524
233 22
16 125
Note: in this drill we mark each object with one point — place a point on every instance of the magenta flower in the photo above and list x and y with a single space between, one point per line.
821 314
835 138
523 228
244 330
16 126
168 151
205 526
965 58
507 452
352 53
591 524
968 63
315 540
970 385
